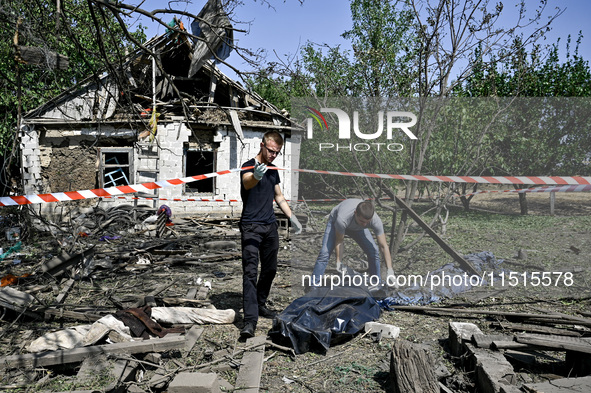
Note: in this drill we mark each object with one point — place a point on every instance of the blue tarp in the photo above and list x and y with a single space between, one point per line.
451 281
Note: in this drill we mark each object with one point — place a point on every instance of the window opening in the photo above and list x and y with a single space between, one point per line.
115 168
199 162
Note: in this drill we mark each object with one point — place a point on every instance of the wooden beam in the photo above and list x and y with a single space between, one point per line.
557 343
79 354
212 87
467 266
236 124
251 366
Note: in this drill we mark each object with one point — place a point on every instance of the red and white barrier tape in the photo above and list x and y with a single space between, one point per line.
106 192
145 187
541 180
173 199
579 188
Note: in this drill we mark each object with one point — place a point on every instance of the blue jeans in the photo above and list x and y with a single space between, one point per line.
363 238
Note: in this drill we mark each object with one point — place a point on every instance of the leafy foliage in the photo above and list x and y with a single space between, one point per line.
89 35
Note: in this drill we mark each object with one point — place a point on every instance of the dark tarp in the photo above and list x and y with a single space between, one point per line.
324 316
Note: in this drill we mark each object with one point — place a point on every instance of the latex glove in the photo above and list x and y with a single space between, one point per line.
391 279
259 170
295 223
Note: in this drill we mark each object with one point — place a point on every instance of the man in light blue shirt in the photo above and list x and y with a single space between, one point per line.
353 217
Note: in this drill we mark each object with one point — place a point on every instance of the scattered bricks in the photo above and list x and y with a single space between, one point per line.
153 357
459 333
195 383
492 369
385 330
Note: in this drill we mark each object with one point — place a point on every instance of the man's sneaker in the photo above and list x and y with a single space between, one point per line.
248 330
266 313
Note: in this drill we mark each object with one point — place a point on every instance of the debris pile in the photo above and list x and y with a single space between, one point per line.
136 305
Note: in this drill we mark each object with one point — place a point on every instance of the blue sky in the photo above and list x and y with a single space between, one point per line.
283 30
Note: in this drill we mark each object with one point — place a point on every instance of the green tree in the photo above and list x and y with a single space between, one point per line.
547 135
421 49
88 34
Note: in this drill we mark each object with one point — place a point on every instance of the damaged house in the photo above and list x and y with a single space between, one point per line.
168 114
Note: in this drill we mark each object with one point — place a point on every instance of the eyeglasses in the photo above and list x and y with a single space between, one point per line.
277 153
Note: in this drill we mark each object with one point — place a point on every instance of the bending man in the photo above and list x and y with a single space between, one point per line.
353 217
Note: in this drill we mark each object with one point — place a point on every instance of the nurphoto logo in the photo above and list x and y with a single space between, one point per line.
395 120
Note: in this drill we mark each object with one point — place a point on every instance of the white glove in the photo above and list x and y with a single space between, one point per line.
259 170
391 278
295 223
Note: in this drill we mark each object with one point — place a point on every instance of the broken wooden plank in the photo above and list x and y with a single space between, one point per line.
79 354
191 293
18 301
516 315
75 315
251 366
564 385
67 287
412 368
61 263
459 334
486 340
531 328
236 124
492 370
467 266
559 343
191 338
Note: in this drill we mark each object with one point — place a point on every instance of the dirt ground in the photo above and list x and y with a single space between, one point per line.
538 242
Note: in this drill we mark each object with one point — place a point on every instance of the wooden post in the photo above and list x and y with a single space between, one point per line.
467 266
552 201
412 369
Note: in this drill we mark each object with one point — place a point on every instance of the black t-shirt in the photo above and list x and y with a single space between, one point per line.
257 203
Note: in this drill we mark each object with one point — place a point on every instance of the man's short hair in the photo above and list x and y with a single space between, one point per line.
274 136
365 209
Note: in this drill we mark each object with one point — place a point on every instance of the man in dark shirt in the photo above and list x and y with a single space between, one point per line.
258 226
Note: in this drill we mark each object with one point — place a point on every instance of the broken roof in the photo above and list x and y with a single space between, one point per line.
166 76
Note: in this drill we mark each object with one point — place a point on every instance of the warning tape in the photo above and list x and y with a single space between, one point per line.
107 192
146 187
579 188
531 180
173 199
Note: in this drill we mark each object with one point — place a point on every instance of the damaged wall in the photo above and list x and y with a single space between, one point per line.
59 160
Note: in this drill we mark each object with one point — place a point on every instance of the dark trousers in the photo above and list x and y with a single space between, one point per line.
258 242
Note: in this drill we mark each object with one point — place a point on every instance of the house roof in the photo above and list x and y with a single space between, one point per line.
146 83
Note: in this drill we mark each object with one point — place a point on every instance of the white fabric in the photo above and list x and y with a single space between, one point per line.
192 315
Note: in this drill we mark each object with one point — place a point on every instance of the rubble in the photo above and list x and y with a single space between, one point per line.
65 320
